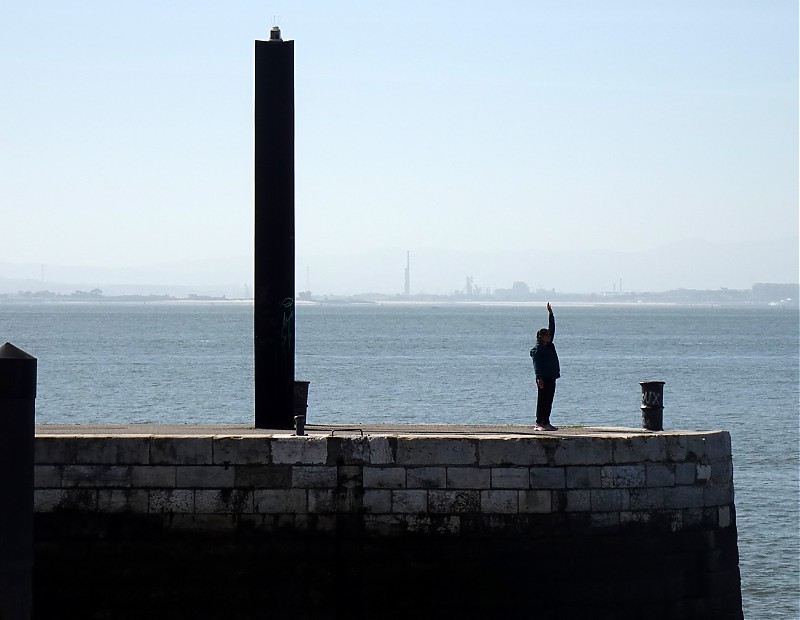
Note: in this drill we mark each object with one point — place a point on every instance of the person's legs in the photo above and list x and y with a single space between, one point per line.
544 401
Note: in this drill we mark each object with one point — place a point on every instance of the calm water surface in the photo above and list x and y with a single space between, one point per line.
730 368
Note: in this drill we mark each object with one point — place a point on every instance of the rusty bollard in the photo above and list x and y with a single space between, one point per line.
652 405
17 398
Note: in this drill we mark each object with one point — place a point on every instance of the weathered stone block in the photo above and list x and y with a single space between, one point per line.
544 477
204 476
468 478
226 500
122 500
710 516
171 500
384 477
499 502
703 472
721 471
583 477
347 450
314 476
426 477
304 450
112 450
676 448
724 516
454 502
377 501
512 452
50 500
349 501
610 500
718 495
684 497
273 501
511 478
436 451
349 476
622 476
153 476
682 448
685 473
242 450
647 499
381 451
409 501
54 449
718 446
535 501
576 500
97 476
45 476
640 448
181 451
583 451
321 501
360 451
262 476
660 475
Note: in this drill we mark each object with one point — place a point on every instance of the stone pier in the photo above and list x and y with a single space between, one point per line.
384 522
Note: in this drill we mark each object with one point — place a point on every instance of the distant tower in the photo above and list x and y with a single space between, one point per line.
407 290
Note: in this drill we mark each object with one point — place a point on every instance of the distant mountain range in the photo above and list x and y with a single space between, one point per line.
688 264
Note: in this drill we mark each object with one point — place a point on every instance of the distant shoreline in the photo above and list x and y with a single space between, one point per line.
404 303
759 295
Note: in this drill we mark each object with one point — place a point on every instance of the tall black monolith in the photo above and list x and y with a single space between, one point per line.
274 233
17 404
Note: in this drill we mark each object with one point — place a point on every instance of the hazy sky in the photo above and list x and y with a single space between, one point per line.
126 127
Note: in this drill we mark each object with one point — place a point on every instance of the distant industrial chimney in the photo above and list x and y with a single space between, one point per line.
407 290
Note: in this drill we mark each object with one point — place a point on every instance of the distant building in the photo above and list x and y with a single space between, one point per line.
520 289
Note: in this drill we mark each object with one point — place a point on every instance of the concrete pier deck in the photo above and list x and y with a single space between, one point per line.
354 428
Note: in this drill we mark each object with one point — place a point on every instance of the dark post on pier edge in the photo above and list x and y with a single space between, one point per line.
274 232
17 413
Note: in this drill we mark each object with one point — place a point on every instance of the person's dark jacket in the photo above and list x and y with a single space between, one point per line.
545 358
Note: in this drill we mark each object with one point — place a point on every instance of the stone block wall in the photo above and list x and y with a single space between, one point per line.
389 485
610 524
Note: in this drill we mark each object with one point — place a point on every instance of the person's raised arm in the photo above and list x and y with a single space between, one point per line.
551 324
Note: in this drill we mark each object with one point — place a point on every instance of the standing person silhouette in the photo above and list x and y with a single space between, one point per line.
547 370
